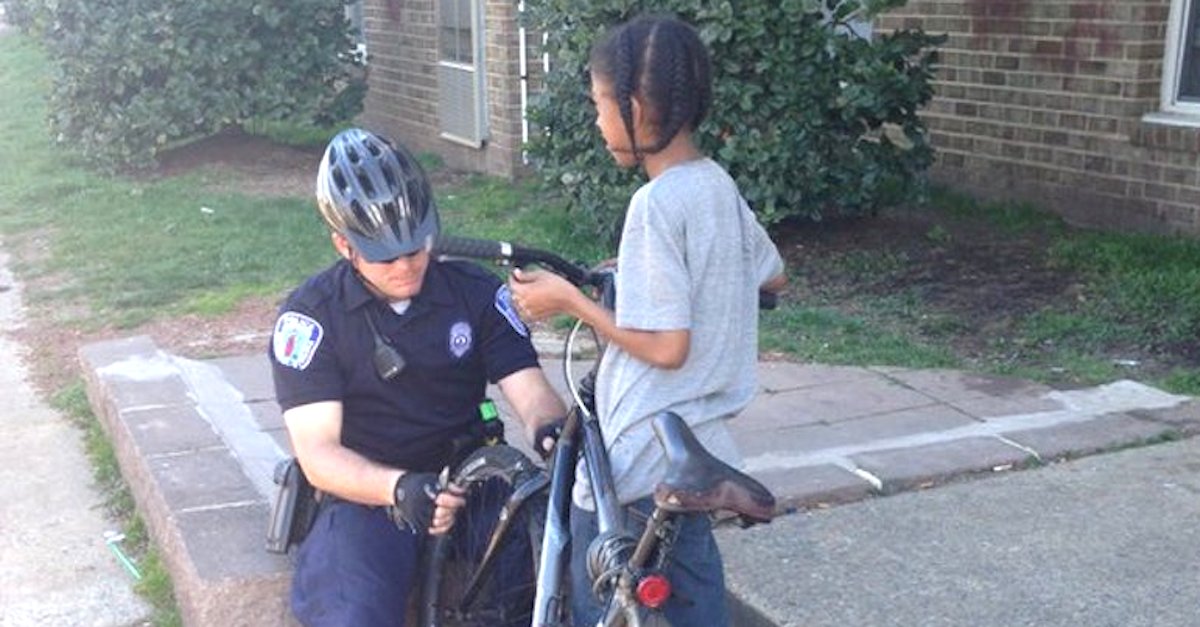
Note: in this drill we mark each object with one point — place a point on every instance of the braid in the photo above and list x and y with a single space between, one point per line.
701 75
625 81
664 63
677 92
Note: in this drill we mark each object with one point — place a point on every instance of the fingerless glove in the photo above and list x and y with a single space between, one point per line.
414 494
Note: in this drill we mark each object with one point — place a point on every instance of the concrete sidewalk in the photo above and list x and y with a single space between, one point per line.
56 564
1108 540
198 440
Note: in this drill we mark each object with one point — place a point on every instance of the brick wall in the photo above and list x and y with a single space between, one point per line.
402 76
1042 100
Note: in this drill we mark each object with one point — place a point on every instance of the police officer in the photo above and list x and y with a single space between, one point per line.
380 362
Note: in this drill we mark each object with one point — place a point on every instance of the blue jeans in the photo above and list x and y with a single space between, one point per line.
694 569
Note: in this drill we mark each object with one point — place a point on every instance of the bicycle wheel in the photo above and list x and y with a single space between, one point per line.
482 573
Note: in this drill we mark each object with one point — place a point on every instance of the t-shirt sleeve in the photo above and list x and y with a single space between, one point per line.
304 362
653 284
767 261
506 346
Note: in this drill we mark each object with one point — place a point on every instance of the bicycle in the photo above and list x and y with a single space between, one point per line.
625 571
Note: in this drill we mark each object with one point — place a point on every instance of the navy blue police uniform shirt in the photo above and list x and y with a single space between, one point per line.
458 333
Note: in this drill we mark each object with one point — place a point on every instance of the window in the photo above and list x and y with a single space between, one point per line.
455 40
1181 67
1189 66
461 104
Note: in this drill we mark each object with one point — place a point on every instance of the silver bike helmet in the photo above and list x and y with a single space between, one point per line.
376 195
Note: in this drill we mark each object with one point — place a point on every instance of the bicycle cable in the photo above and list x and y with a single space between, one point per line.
568 352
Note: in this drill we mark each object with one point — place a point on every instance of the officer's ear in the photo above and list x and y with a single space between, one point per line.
341 245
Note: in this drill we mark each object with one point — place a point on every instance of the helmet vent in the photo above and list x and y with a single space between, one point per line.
339 179
361 217
367 186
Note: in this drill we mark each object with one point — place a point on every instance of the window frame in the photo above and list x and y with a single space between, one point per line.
476 67
1173 60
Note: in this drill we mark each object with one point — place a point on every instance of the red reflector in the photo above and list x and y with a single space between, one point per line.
653 591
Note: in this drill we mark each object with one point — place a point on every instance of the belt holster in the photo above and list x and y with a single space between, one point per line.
294 509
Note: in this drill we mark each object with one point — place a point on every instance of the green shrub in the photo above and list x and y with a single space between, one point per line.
23 14
811 120
133 76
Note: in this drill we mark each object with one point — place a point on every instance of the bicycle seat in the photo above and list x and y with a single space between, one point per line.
698 482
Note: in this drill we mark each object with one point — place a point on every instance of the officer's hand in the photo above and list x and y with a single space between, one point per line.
446 507
546 437
414 495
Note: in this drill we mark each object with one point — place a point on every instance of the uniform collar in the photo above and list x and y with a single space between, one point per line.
434 291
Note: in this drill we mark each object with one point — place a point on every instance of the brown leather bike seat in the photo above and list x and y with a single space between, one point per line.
696 481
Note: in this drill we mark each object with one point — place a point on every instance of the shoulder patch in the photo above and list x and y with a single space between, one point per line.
505 307
296 339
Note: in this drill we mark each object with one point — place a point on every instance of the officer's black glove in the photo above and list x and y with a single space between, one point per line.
546 437
414 493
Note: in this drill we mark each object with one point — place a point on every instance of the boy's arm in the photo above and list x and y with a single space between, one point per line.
662 349
547 293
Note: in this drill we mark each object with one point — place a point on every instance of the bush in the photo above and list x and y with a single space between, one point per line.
810 119
27 15
133 76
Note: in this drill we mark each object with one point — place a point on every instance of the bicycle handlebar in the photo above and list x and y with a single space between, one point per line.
509 254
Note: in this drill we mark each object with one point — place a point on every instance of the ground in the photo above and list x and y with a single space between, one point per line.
975 282
961 268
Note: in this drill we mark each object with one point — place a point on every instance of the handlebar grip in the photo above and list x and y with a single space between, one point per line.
474 248
767 300
508 254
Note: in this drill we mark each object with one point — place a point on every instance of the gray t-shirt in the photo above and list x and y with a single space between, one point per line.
692 256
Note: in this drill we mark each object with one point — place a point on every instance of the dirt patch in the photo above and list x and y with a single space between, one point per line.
55 346
981 276
975 284
233 160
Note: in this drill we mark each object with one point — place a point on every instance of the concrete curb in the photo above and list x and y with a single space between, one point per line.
209 527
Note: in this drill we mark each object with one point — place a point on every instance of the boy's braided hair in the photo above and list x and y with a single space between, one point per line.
662 61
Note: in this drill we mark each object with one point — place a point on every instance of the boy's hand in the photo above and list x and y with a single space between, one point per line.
538 294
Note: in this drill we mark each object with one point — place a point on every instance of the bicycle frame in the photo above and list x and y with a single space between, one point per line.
581 435
621 556
582 429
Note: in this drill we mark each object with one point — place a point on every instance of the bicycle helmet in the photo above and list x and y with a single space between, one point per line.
376 195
